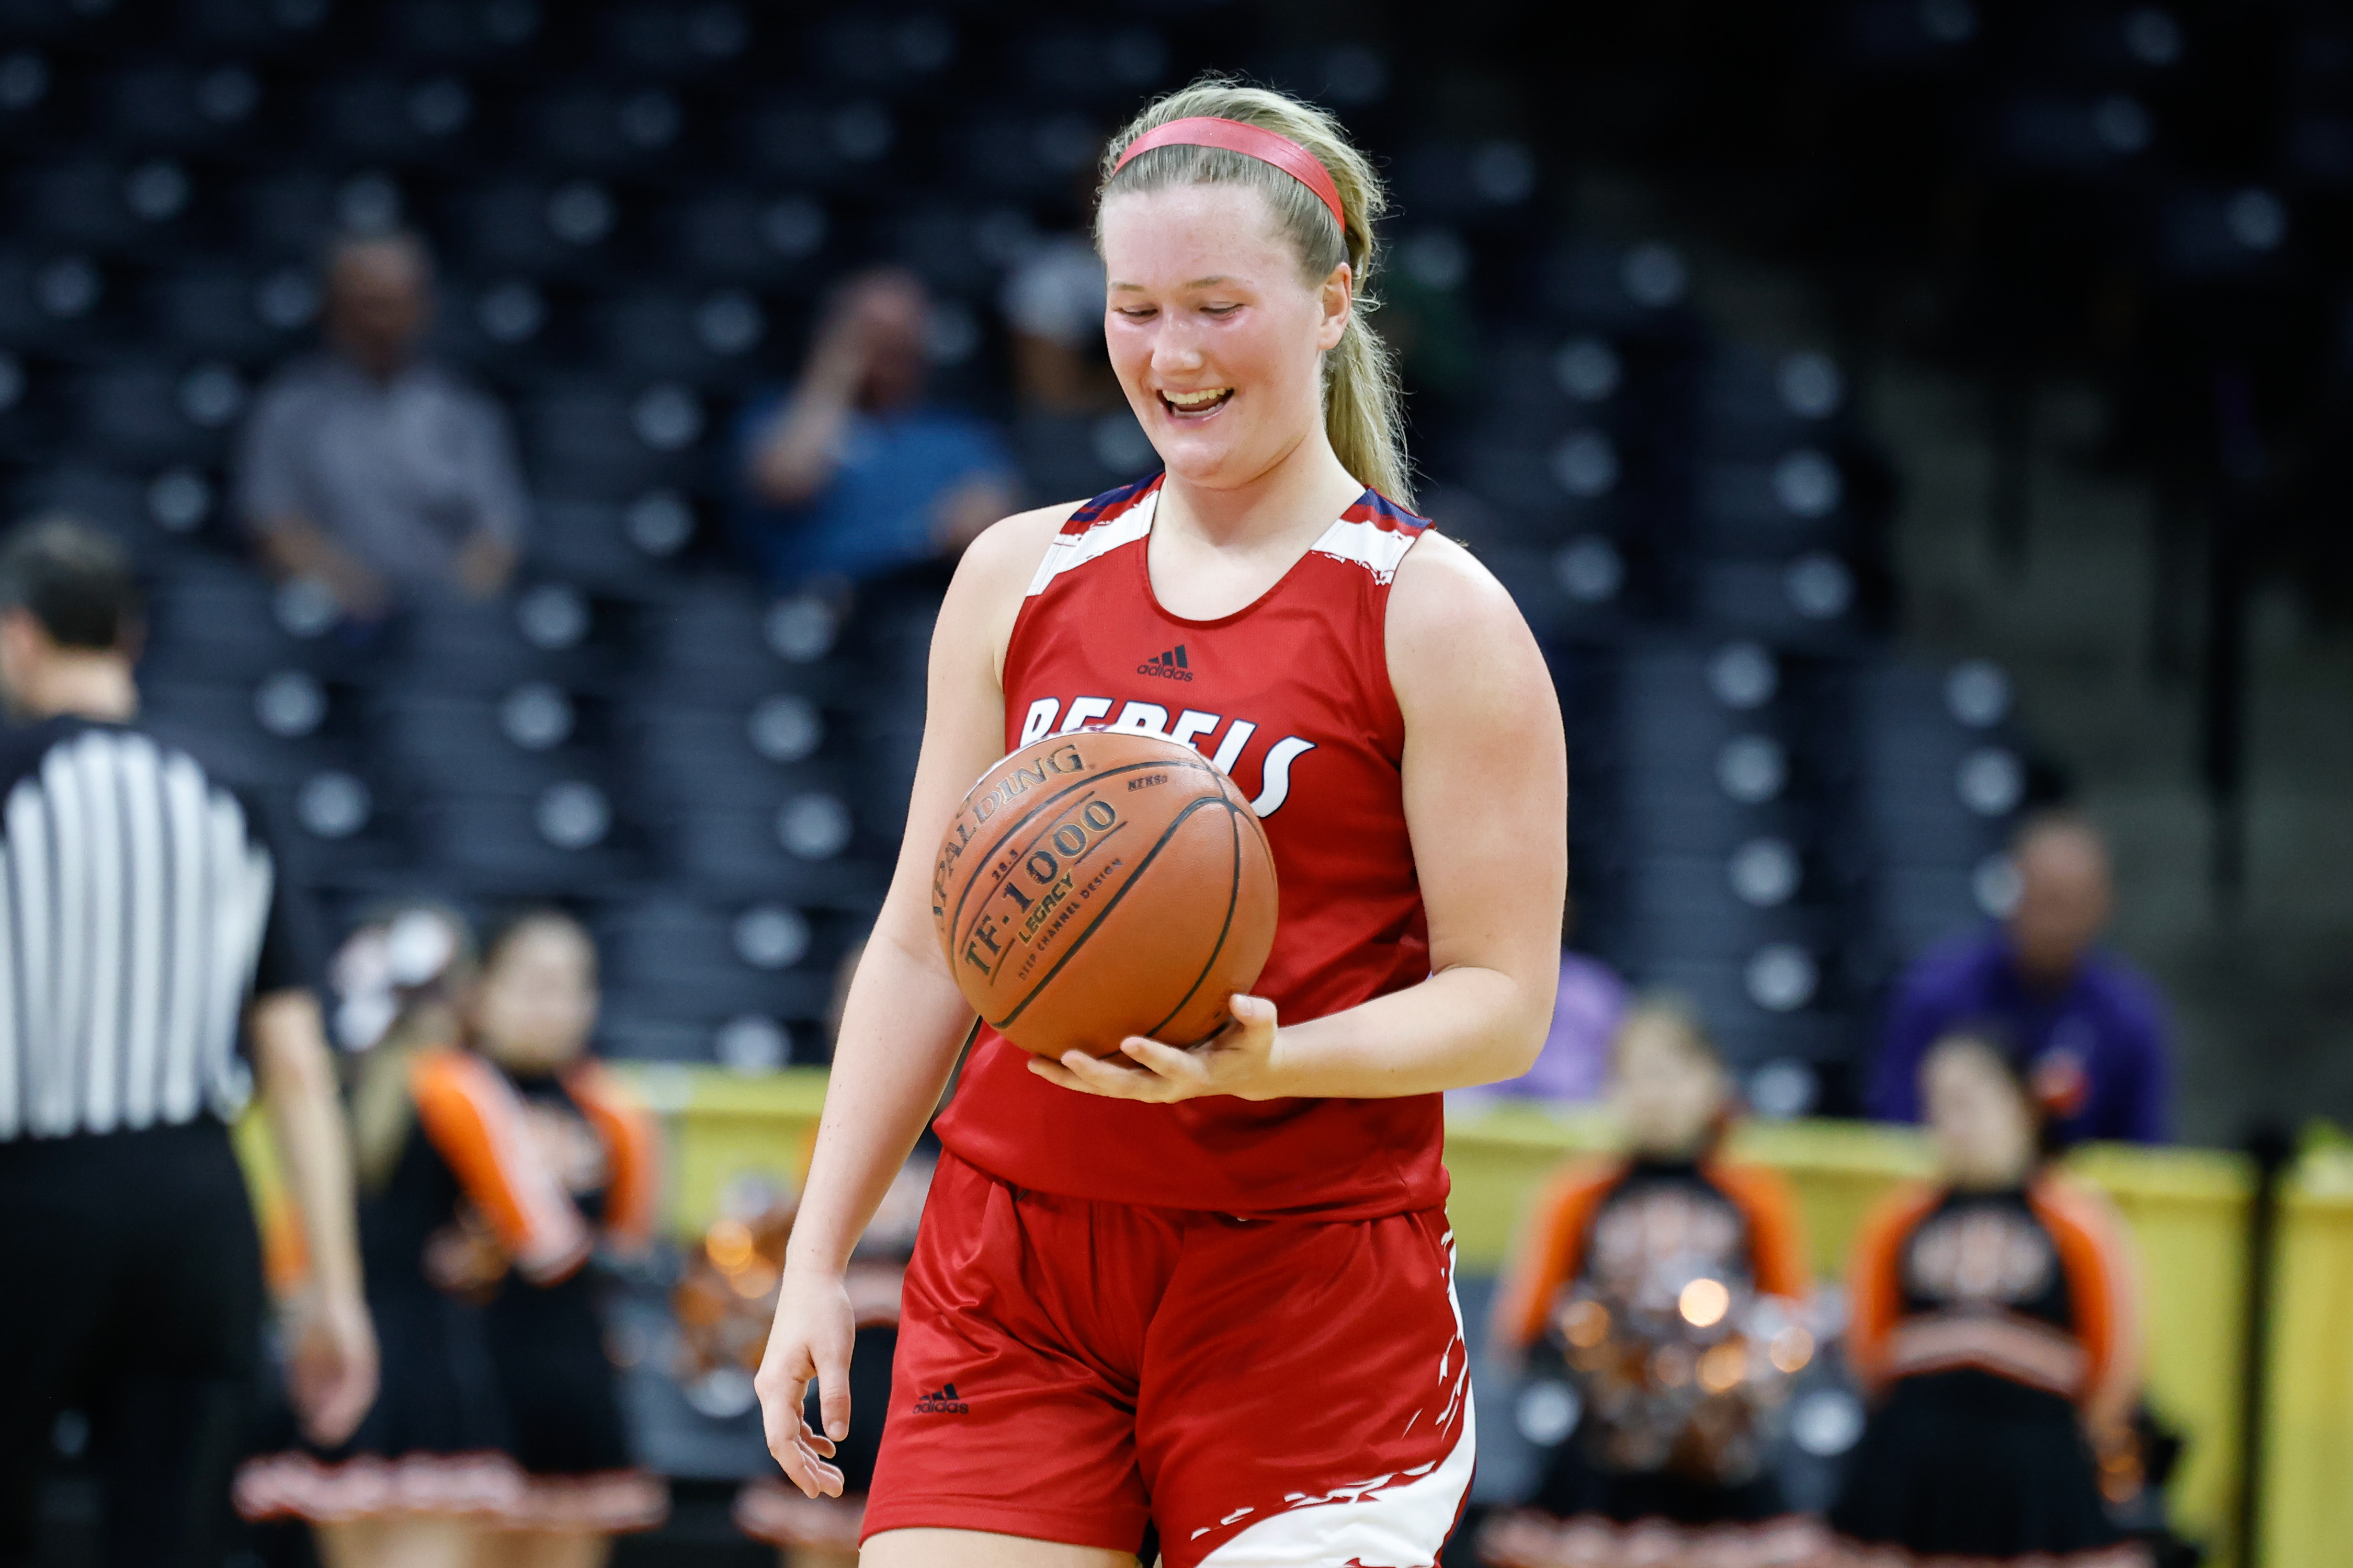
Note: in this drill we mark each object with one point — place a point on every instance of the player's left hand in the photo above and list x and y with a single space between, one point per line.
1239 1060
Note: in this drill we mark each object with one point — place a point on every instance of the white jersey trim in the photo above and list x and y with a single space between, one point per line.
1070 551
1366 544
1377 549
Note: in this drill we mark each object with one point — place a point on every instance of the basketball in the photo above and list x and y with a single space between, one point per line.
1094 885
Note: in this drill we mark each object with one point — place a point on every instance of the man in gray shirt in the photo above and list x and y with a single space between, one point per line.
375 472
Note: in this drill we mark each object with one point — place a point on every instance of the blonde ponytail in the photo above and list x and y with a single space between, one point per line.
1363 413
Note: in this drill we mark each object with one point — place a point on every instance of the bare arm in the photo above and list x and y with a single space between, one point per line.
1486 802
795 458
904 1017
334 1364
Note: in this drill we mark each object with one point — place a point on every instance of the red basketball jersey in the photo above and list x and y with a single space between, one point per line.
1290 697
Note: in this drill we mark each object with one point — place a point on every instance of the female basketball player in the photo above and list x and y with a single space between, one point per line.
1206 1288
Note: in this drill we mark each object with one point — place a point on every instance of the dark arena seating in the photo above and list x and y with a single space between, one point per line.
633 209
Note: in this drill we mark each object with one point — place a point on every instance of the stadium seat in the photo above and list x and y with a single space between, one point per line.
547 631
675 958
566 834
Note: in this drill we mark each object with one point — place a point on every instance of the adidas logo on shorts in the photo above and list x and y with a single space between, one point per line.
942 1401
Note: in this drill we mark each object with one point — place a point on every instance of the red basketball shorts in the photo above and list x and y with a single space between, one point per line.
1269 1392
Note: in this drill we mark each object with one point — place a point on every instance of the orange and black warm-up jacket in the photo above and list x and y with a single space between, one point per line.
1552 1250
475 1120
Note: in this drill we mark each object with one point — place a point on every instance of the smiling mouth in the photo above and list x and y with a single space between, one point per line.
1196 405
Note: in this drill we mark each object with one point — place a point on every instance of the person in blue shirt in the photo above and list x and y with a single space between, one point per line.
851 474
2089 1027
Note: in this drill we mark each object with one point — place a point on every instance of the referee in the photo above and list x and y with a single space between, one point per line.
145 929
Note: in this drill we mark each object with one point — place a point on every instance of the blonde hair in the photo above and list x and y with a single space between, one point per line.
1363 407
1676 1014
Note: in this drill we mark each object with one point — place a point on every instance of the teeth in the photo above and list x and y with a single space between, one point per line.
1196 399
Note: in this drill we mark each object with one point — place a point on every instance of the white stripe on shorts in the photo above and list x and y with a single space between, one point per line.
1393 1521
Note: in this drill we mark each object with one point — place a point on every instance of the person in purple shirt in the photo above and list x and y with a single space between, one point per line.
2090 1028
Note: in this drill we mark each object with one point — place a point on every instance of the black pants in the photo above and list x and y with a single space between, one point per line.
130 1289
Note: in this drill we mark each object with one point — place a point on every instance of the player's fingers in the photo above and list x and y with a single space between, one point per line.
1252 1013
1114 1075
833 1394
780 1413
802 1456
1073 1071
1056 1073
1168 1060
817 1478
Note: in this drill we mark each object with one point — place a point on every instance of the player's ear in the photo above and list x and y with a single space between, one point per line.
1337 295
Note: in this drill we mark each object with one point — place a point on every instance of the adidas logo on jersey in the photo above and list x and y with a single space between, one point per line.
1169 666
942 1401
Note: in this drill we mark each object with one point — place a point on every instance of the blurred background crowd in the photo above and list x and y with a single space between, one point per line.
543 433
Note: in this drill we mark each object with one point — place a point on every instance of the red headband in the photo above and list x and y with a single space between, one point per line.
1251 141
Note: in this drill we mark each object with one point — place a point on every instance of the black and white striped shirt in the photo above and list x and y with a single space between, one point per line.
140 910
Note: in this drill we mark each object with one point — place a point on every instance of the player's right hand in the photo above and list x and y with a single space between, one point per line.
810 1339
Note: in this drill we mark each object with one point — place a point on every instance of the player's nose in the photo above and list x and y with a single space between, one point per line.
1176 352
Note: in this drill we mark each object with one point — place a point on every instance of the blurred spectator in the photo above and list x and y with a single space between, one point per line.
2087 1024
1053 301
1075 431
375 471
1995 1327
1655 1306
500 1162
851 475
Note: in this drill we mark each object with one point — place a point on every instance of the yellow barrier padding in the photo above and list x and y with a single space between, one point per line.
721 1126
2307 1505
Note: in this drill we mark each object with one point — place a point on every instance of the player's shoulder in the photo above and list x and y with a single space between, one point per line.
1008 554
1442 588
1004 557
1452 631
